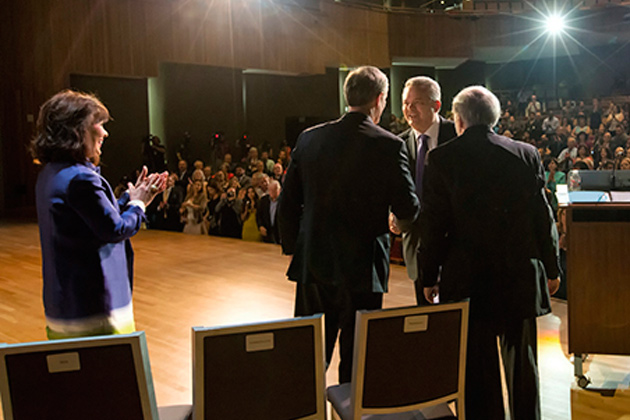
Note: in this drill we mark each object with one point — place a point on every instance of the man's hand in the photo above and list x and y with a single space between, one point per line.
553 285
430 293
393 224
263 230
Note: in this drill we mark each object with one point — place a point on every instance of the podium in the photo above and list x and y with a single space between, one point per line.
598 289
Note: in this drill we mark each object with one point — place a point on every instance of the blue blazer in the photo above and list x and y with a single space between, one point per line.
84 233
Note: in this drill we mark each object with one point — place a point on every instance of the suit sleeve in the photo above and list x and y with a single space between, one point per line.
291 204
262 208
547 232
90 199
435 217
405 204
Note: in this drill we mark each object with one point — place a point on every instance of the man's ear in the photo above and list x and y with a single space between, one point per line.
436 106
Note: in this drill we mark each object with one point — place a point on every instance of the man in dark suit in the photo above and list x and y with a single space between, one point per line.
334 211
488 234
267 214
421 100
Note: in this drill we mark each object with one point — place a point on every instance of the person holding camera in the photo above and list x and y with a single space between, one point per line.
229 214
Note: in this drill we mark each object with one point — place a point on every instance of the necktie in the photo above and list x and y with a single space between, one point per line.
422 152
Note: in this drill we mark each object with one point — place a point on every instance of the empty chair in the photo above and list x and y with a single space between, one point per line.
266 371
96 378
409 363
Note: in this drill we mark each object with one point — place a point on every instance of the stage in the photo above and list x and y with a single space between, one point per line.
183 281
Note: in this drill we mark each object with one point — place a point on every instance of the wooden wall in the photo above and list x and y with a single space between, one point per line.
42 42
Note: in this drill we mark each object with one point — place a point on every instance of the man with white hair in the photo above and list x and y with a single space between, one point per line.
488 234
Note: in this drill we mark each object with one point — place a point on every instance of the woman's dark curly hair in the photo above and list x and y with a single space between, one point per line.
62 124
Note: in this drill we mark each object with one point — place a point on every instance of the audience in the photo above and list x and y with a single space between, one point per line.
240 199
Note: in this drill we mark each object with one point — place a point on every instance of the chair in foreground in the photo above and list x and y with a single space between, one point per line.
97 378
409 363
266 371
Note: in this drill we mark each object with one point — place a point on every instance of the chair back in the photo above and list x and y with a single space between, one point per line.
265 371
97 378
409 358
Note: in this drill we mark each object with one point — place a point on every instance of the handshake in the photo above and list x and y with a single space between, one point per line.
393 225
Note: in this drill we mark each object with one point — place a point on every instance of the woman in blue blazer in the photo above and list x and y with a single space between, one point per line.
84 231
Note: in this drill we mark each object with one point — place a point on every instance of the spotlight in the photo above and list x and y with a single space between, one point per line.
555 24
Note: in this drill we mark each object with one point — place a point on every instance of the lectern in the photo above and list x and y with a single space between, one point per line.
598 296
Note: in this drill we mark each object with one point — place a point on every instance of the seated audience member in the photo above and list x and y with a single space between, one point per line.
278 173
168 206
550 124
508 133
212 219
581 126
568 155
512 125
242 178
266 216
532 107
624 165
620 138
565 128
249 214
193 209
584 154
553 177
198 165
261 184
616 118
229 214
607 165
602 155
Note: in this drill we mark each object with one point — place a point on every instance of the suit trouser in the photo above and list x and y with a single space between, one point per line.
339 307
517 341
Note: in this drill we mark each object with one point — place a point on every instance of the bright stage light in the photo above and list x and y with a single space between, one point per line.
555 24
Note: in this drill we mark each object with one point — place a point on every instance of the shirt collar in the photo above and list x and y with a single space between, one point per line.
433 130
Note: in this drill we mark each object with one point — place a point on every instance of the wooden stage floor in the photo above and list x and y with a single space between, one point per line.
183 281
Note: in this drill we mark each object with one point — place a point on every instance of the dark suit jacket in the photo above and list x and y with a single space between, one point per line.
411 238
263 218
486 223
334 205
